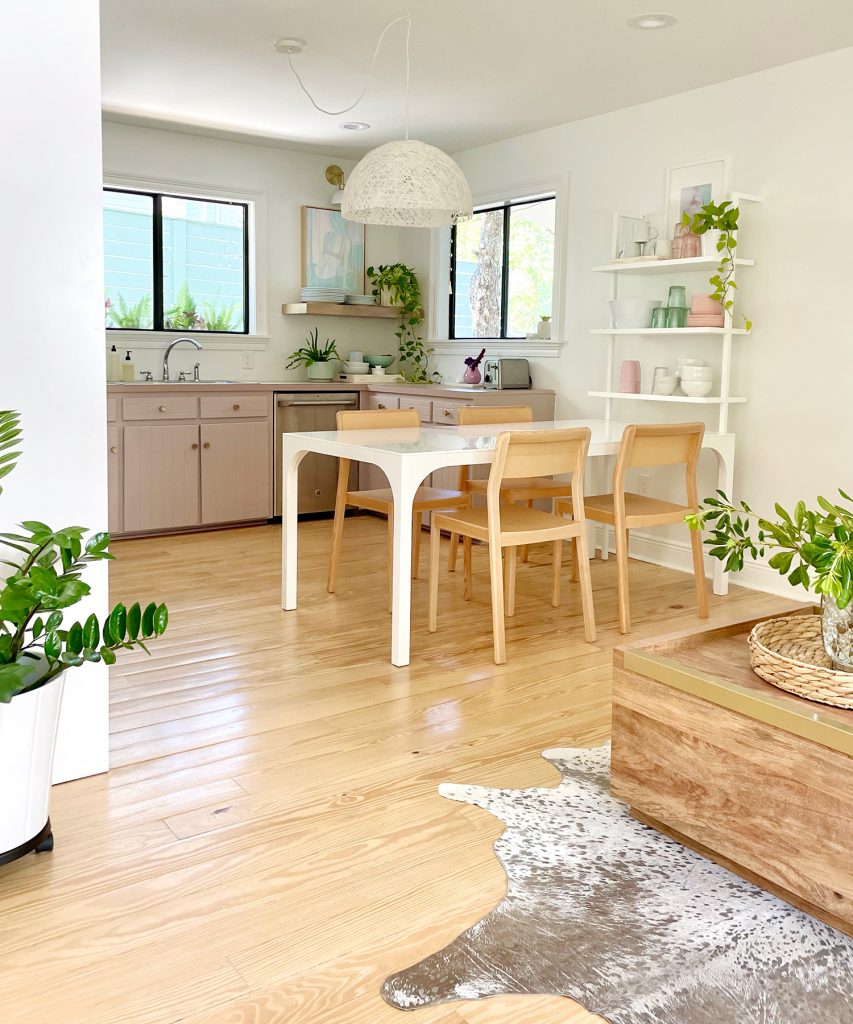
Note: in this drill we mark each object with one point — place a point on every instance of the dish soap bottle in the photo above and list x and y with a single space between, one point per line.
128 368
113 364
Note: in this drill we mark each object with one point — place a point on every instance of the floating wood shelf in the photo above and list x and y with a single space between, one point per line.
337 309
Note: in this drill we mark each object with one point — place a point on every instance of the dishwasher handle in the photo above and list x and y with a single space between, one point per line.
286 403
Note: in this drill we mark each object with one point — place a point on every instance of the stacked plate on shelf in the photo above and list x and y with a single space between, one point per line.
361 300
705 312
312 294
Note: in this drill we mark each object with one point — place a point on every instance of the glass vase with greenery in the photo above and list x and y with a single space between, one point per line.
722 217
813 548
398 285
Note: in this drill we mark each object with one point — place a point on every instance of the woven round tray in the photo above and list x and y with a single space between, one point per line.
788 652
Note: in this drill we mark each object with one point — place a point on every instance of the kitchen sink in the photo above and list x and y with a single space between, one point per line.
166 383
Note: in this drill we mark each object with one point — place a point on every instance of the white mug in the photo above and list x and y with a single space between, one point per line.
663 247
377 370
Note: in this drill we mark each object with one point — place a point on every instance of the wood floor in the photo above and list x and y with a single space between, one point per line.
269 844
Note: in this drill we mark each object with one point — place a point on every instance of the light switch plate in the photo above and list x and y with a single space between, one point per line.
248 361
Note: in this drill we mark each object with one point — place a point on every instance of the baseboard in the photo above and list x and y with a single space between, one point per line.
676 554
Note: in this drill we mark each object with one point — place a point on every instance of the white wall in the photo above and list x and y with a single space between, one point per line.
787 131
286 180
51 277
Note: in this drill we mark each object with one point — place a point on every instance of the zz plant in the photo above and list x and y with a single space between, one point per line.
399 285
43 584
722 217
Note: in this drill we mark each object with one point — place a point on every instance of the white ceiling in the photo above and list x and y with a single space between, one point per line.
481 69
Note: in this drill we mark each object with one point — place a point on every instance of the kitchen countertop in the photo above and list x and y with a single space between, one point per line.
431 390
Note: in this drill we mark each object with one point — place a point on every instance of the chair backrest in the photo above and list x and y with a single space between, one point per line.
377 419
475 415
538 453
660 444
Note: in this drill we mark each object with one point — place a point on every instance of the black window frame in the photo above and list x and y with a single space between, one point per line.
157 258
507 208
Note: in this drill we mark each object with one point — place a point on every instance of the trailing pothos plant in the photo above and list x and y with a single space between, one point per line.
813 548
42 584
398 284
722 217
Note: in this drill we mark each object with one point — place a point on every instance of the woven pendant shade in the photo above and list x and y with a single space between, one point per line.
407 184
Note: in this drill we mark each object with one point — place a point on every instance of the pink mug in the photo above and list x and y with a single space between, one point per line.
629 377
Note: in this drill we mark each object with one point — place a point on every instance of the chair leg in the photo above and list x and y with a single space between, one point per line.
497 584
337 540
558 565
390 556
699 572
525 554
586 587
452 553
416 543
622 580
510 564
574 577
467 567
434 553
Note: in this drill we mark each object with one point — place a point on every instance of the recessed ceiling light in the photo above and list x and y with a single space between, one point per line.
649 22
355 126
289 45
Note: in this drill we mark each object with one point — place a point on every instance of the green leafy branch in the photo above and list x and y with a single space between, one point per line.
722 217
814 549
130 316
400 283
312 352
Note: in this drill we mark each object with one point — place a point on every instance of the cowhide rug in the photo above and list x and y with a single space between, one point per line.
629 923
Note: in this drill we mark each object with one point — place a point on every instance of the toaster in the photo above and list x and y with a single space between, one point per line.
502 374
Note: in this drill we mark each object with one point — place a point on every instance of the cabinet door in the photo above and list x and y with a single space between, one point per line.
114 460
236 472
161 477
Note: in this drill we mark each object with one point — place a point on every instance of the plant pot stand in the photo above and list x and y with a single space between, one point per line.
40 843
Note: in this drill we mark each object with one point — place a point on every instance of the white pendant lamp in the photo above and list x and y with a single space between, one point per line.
406 183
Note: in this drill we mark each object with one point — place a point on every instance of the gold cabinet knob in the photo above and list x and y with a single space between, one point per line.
206 444
162 408
379 405
235 406
447 412
114 450
194 444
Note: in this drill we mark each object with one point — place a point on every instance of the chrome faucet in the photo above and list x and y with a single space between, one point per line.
177 341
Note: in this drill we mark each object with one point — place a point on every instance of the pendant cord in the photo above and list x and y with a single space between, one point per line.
336 113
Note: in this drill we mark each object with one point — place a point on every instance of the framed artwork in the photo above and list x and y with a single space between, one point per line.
332 251
690 186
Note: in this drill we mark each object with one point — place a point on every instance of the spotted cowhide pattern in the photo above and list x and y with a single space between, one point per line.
629 923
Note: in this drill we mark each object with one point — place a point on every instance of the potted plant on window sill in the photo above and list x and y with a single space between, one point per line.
37 649
320 362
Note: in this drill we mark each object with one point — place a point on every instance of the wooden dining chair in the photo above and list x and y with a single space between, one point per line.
381 500
506 527
526 488
644 445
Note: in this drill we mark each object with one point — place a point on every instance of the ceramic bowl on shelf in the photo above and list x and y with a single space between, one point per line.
628 313
696 388
358 367
373 360
697 373
665 385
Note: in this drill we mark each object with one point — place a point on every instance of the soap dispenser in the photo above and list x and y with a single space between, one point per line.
113 364
128 368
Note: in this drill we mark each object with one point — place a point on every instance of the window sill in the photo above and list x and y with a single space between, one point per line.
537 349
160 339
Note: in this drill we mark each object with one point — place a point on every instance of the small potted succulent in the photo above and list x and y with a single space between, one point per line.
318 360
37 648
472 368
813 548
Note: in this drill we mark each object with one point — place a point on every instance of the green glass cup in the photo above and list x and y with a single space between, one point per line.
658 318
675 316
677 297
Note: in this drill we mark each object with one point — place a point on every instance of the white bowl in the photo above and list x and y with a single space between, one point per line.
697 372
696 388
697 375
637 313
665 385
682 361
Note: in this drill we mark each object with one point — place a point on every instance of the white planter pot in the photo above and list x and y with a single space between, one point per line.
27 741
322 371
709 243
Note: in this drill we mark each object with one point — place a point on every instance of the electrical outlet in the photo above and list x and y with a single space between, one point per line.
248 360
645 480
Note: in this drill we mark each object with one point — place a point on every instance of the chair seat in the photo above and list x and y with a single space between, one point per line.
426 499
651 511
531 525
526 487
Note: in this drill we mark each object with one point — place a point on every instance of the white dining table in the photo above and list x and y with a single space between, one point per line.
408 456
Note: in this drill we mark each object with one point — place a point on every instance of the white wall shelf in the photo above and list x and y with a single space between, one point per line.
667 266
628 396
666 331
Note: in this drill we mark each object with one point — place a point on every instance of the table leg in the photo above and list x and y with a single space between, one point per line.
290 460
404 486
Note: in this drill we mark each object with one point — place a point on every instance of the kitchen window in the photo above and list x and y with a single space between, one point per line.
175 263
502 269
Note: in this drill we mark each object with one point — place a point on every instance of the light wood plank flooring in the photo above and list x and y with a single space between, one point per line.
269 844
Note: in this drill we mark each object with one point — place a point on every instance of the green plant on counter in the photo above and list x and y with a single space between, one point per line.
722 217
312 353
813 548
398 285
222 320
35 646
129 316
183 315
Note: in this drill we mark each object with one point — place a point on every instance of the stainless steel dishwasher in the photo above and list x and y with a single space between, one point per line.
318 474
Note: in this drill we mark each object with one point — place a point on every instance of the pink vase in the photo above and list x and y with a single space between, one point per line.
471 375
629 377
